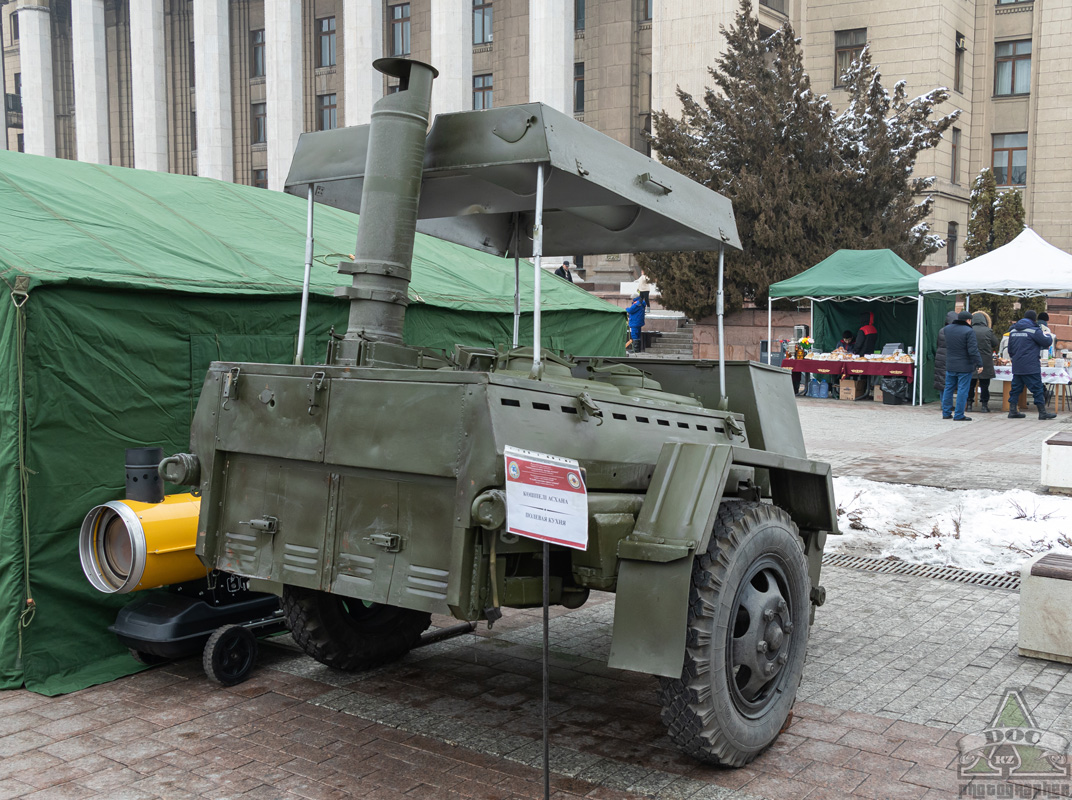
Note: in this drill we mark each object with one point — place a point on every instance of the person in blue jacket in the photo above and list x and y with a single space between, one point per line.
636 321
1025 341
962 360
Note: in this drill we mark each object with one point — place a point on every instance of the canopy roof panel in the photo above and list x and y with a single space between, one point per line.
853 274
600 196
68 222
1027 266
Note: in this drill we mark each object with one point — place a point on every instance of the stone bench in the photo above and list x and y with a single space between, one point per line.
1046 608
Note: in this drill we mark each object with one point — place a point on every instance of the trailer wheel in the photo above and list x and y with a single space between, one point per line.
230 653
747 636
351 634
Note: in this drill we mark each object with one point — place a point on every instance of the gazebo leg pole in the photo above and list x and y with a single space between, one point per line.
770 338
917 367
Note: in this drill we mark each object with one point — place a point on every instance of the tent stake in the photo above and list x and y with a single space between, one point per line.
305 282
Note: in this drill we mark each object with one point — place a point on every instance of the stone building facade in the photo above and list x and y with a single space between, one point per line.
223 87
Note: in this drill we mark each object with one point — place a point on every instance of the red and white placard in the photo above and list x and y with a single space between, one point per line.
546 498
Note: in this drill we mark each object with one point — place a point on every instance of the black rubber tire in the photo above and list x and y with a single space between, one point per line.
755 561
230 654
350 634
148 659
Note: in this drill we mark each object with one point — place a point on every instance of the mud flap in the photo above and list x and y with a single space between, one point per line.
652 596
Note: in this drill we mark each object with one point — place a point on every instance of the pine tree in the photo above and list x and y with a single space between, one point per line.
803 181
995 220
981 203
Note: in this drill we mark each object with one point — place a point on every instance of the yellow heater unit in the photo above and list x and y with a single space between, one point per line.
126 545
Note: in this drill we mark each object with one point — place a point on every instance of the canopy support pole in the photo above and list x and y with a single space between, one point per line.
917 367
517 282
967 302
724 402
770 338
537 257
298 356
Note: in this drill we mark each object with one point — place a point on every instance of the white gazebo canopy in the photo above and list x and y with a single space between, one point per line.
1028 266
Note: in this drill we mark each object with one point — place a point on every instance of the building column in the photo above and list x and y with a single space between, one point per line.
283 84
3 88
362 43
38 95
452 55
551 53
89 51
149 83
685 41
212 78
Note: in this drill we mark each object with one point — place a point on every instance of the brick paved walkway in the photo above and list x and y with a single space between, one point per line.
460 719
906 444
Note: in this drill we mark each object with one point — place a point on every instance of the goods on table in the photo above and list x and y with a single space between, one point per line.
896 358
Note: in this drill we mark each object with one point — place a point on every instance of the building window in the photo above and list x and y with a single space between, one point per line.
259 123
14 28
954 171
193 131
958 62
578 15
578 88
18 84
260 178
193 82
646 10
481 92
325 29
20 143
1012 70
256 53
776 5
848 46
481 21
399 29
325 112
951 244
1010 159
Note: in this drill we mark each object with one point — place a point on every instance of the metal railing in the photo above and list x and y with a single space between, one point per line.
13 110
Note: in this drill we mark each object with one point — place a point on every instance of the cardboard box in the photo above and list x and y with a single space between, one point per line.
853 388
877 394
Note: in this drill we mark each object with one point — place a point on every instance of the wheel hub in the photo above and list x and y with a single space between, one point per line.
760 639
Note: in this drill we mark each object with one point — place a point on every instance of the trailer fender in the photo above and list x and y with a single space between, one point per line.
655 567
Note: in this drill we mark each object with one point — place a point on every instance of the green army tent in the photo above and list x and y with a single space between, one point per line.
852 282
123 286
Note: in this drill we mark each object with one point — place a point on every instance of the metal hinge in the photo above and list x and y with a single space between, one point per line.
391 542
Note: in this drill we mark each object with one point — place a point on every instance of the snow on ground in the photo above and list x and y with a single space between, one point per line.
976 529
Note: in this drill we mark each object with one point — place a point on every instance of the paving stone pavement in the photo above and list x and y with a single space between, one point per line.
913 444
899 668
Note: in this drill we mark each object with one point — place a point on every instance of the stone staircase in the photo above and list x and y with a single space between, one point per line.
675 343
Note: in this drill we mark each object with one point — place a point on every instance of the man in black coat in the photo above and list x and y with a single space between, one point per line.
939 354
564 272
962 360
1025 341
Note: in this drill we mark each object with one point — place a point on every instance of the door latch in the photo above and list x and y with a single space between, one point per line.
230 386
391 542
265 524
315 386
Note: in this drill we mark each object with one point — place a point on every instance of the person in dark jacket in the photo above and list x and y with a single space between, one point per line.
1025 341
867 336
988 345
847 343
961 362
939 355
564 272
636 321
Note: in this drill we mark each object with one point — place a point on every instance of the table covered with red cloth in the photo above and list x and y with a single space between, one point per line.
849 369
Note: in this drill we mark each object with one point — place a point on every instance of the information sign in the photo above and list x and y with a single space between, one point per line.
546 498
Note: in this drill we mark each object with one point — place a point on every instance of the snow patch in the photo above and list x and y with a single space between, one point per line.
975 529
